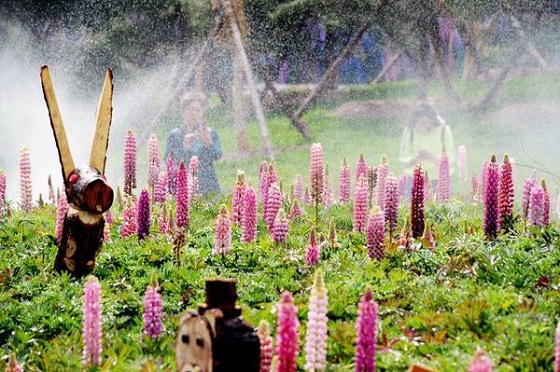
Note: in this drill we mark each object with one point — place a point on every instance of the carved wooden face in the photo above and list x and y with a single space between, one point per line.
87 189
193 347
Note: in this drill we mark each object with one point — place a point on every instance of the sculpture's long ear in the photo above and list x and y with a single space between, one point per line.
98 154
64 154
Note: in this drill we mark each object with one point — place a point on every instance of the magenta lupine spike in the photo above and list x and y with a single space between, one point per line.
263 332
163 220
391 203
417 202
25 187
428 190
194 165
51 190
366 328
91 326
280 227
129 162
536 206
361 169
13 365
270 177
316 175
344 183
328 194
171 167
506 191
299 188
143 215
287 334
153 312
360 205
2 188
382 173
154 162
546 204
109 218
316 333
295 210
462 162
249 217
528 184
129 225
557 349
60 215
402 181
444 186
480 362
182 209
222 238
312 253
237 198
160 188
376 234
491 222
273 202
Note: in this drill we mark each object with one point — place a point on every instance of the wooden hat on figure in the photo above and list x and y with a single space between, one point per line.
88 194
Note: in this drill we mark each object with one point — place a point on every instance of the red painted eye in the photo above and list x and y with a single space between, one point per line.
73 178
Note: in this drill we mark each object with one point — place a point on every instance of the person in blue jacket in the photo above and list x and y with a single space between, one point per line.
196 138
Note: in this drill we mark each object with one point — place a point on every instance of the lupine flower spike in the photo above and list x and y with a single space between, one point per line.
263 332
129 162
249 217
60 215
295 210
462 162
263 187
444 185
280 227
287 334
316 175
491 222
376 233
333 238
2 191
546 204
51 191
273 202
237 198
528 184
193 177
328 195
25 186
372 183
312 253
361 170
129 225
402 182
182 209
360 205
222 240
417 203
163 220
480 362
154 163
391 204
172 168
428 190
299 188
143 215
316 334
506 193
153 310
92 322
160 188
536 206
382 173
344 183
366 333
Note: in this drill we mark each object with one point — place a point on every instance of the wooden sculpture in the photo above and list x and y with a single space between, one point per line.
88 194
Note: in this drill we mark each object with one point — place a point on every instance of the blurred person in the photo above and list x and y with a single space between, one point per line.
195 138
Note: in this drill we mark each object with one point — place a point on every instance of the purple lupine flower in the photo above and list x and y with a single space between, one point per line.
312 253
528 184
417 202
402 181
129 162
91 327
360 170
366 328
263 332
506 196
376 233
143 215
249 217
154 163
270 177
263 187
328 194
222 239
295 210
182 209
273 202
344 183
557 349
480 362
491 221
194 165
152 312
160 188
172 168
536 206
287 334
316 334
428 190
444 187
237 198
546 204
129 225
13 365
391 203
299 188
109 218
462 162
163 220
49 183
382 173
280 227
60 215
360 205
25 187
316 175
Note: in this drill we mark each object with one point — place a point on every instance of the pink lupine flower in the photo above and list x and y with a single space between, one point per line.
462 162
536 206
506 192
280 227
287 334
92 322
557 349
312 253
263 332
295 210
2 190
160 188
172 168
194 165
143 215
428 190
273 202
109 218
13 365
417 202
299 188
316 334
129 225
475 187
49 183
154 163
480 362
249 217
222 240
528 184
391 203
382 173
25 187
237 198
60 215
366 328
152 312
163 220
360 205
360 170
129 162
376 233
182 209
491 222
344 183
402 182
444 187
328 194
316 175
546 204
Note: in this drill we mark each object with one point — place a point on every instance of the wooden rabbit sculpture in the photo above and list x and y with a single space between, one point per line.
88 194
